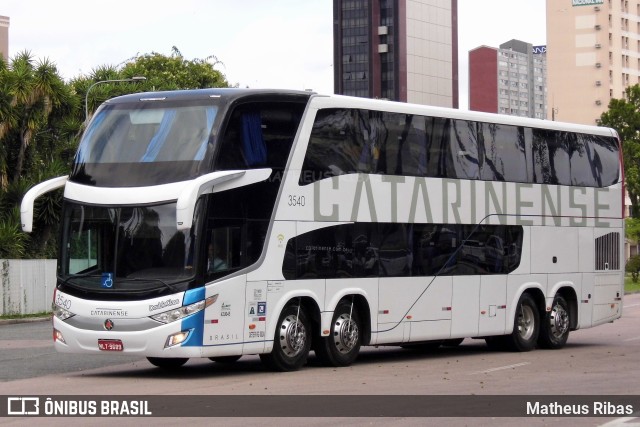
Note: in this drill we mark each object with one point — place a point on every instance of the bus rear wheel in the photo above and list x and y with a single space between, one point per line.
292 340
526 325
555 327
342 346
167 362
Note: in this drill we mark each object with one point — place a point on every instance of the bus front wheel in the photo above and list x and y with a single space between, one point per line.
292 340
342 345
526 325
555 327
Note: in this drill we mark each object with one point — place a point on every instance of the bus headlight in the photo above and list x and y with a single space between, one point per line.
177 338
179 313
60 312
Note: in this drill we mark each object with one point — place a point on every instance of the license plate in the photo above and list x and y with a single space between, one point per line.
110 345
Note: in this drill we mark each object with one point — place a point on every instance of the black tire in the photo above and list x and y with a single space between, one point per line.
225 359
554 331
526 326
342 346
453 342
291 341
167 363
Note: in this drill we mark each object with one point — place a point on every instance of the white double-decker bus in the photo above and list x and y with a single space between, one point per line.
226 222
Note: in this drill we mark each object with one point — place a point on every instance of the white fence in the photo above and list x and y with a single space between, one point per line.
27 285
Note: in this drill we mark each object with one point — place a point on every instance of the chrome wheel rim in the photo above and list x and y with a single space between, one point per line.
345 333
526 322
559 321
293 336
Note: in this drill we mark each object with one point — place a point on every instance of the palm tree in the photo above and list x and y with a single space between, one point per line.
30 91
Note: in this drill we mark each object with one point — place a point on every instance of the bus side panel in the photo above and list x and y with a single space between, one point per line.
256 316
431 314
585 302
465 308
493 299
608 284
224 320
554 249
607 297
423 299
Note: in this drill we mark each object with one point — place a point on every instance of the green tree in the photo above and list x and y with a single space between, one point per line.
31 91
162 72
175 72
35 110
633 267
624 116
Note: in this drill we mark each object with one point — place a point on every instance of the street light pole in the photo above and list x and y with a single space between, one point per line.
86 96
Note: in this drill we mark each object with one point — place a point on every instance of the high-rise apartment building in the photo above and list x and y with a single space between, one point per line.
592 55
4 37
402 50
508 80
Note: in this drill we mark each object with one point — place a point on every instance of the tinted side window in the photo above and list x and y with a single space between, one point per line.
401 250
502 155
334 147
259 135
550 157
362 141
466 136
606 160
434 249
585 169
439 162
338 251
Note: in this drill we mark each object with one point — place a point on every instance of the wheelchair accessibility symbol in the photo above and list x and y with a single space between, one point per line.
107 280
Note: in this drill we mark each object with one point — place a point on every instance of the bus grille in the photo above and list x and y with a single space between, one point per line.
608 252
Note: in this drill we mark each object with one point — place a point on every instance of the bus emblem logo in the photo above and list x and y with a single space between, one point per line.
108 324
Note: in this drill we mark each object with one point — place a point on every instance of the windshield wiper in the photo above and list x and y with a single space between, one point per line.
165 284
75 276
170 286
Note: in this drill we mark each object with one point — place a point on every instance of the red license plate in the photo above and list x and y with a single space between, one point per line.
110 345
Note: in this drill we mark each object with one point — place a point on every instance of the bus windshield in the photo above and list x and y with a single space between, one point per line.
145 143
124 248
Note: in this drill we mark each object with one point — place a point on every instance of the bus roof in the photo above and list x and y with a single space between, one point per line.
341 101
229 94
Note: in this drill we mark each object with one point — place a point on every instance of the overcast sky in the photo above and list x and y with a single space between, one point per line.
275 43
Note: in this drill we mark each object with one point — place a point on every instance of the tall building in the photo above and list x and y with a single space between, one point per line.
593 55
508 80
4 37
402 50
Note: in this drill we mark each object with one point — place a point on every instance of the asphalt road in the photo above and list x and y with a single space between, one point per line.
599 361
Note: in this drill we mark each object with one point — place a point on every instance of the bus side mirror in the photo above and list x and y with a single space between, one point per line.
223 180
26 207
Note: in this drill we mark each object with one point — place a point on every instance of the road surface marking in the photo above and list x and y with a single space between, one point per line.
632 339
500 368
632 305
